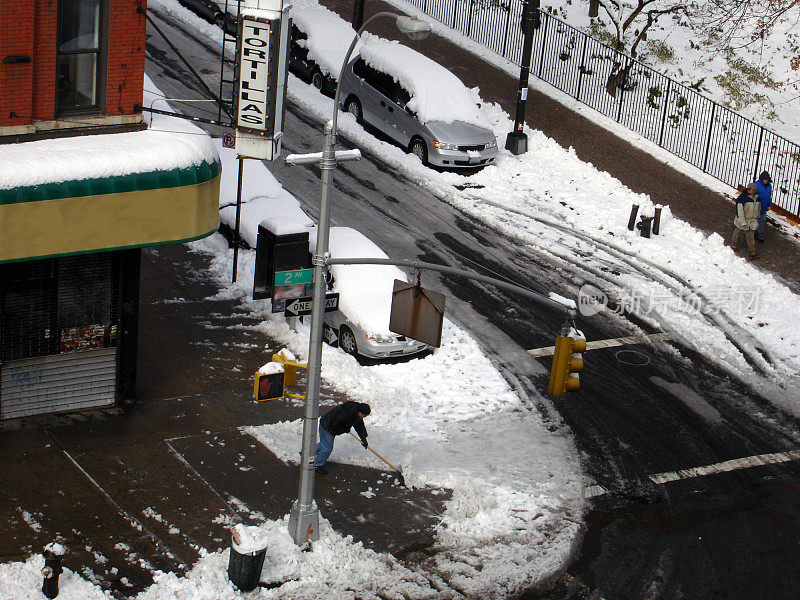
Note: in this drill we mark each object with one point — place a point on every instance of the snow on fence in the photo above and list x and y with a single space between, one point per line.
708 135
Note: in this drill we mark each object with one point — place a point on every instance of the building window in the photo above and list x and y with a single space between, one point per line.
79 55
67 304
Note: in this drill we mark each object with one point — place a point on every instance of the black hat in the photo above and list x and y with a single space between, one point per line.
766 176
364 408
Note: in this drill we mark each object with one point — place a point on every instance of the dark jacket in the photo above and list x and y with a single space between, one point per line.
764 191
340 419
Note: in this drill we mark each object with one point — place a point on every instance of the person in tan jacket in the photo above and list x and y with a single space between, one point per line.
746 221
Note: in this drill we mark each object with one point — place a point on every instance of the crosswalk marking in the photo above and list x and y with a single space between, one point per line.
609 343
747 462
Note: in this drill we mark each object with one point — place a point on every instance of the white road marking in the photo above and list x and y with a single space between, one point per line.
729 465
186 463
736 464
609 343
590 491
133 521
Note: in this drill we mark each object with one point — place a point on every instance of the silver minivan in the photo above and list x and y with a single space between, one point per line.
376 97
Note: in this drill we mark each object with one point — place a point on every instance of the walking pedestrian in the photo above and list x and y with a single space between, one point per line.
764 187
746 220
338 421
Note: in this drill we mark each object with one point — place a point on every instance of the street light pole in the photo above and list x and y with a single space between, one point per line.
304 516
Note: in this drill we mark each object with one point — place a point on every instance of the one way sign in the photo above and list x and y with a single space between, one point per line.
302 306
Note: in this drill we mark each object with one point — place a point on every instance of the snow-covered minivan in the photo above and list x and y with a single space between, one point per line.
417 103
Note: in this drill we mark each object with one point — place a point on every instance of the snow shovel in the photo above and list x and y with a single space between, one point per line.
395 469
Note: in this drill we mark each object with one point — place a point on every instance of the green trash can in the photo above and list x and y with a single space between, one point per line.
244 567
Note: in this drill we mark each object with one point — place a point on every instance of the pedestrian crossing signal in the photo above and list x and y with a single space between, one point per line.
269 386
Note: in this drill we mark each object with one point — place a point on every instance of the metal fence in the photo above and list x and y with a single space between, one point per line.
702 132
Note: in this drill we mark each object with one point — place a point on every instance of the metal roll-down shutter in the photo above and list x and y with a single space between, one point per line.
59 335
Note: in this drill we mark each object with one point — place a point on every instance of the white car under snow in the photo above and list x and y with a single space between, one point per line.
365 300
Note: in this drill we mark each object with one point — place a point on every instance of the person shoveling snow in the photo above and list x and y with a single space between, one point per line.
337 421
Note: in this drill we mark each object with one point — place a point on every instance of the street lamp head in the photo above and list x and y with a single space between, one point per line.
413 27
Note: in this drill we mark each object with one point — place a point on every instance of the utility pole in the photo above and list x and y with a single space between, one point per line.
304 515
517 141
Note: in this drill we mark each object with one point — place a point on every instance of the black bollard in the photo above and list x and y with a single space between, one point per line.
657 219
53 555
644 225
632 219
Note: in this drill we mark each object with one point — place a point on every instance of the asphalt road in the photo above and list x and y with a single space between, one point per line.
643 410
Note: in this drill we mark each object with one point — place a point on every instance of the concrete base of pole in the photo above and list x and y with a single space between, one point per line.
303 524
517 142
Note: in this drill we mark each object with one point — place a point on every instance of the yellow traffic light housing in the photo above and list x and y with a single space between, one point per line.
567 362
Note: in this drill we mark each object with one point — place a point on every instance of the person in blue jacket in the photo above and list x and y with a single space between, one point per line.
337 421
764 187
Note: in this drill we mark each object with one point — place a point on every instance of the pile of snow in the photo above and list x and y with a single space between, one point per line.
436 94
24 580
329 37
365 290
270 368
162 147
263 199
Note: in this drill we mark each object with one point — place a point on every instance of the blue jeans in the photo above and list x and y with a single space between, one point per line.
324 446
762 219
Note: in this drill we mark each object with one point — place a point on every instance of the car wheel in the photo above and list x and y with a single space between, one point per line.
347 340
420 150
219 21
353 106
317 79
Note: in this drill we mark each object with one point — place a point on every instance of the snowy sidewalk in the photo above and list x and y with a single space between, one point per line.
157 488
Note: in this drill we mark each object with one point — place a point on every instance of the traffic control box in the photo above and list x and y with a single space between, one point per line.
269 382
567 362
284 251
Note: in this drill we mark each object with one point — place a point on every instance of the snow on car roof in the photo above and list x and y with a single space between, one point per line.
329 37
436 94
365 290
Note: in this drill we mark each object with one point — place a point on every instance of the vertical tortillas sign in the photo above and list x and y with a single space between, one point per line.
260 92
253 71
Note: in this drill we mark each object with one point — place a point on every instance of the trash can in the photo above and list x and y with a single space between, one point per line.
245 563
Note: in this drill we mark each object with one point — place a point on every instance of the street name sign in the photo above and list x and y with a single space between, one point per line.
296 276
300 307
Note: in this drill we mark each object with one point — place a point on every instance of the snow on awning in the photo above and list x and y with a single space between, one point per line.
112 191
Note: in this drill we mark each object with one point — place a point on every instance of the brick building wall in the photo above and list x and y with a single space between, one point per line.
126 38
17 24
29 28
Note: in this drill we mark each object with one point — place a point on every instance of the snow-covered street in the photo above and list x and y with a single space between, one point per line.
453 420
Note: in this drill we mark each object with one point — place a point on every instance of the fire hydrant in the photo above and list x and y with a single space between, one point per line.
53 555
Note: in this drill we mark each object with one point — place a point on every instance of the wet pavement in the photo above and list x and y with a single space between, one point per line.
130 490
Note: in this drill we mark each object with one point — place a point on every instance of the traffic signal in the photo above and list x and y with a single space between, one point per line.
567 362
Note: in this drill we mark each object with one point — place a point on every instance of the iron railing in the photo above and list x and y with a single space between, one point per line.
708 135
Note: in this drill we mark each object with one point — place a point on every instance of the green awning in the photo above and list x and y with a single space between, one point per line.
151 180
